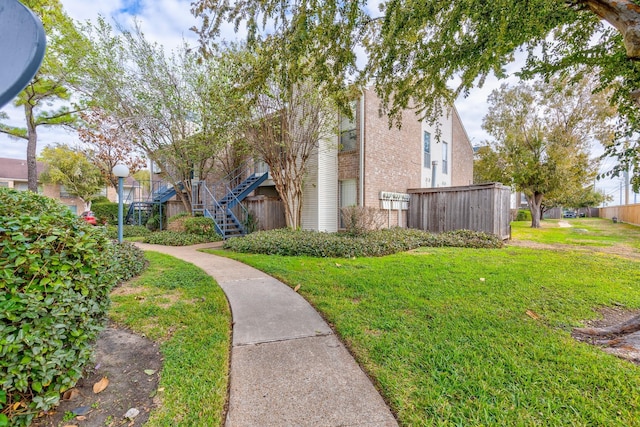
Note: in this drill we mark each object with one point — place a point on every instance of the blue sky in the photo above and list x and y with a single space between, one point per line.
168 21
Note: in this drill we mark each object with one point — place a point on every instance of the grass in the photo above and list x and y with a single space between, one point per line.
445 335
583 232
180 306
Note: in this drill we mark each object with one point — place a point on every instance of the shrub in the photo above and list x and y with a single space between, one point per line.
101 199
129 261
200 225
523 215
107 212
176 222
173 238
358 220
128 231
55 278
339 245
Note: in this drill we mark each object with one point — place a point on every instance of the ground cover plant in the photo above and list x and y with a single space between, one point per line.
456 336
182 308
374 243
176 238
55 275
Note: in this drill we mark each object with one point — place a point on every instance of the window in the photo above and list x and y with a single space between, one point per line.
64 194
427 149
445 157
4 184
348 196
348 135
21 186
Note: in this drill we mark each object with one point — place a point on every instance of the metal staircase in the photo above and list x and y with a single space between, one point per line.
140 212
222 201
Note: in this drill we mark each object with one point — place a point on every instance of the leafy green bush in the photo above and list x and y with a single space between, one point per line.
101 199
173 238
107 212
176 222
523 215
128 231
340 245
179 216
200 225
55 278
129 261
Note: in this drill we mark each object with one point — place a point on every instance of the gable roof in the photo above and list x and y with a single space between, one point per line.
16 169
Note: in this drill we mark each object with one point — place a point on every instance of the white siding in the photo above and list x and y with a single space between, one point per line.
320 194
328 187
446 129
310 196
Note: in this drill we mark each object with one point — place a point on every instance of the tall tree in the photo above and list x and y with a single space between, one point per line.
106 144
542 134
417 50
167 105
290 124
72 169
52 83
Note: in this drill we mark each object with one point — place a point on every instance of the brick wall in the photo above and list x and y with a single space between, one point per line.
461 153
53 191
392 156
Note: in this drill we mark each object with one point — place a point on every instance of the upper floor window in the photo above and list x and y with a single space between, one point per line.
348 135
427 149
445 157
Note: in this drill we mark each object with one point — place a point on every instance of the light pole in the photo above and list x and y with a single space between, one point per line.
121 171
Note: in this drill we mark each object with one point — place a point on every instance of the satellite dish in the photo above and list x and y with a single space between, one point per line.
22 46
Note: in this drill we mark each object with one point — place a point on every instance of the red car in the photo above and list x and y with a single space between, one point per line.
89 217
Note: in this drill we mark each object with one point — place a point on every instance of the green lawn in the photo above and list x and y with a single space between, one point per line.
582 231
183 308
445 335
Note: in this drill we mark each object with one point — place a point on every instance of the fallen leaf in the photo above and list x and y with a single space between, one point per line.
149 371
161 389
69 425
70 394
296 288
81 418
533 315
338 265
100 385
482 279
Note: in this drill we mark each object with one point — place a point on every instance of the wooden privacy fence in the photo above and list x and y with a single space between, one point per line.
483 207
268 212
625 213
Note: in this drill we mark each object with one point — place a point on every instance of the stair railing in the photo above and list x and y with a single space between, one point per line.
214 210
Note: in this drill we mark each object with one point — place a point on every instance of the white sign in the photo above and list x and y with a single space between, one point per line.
394 201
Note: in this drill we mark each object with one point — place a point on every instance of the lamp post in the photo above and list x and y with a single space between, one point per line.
121 171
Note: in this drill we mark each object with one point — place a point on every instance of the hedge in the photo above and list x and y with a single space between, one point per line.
343 245
56 272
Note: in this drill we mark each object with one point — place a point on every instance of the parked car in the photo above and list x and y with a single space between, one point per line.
569 214
89 217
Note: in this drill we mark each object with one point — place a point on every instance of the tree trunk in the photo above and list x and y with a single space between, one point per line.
630 326
292 200
624 16
535 203
32 142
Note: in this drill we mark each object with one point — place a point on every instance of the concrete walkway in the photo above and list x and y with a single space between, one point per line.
287 366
